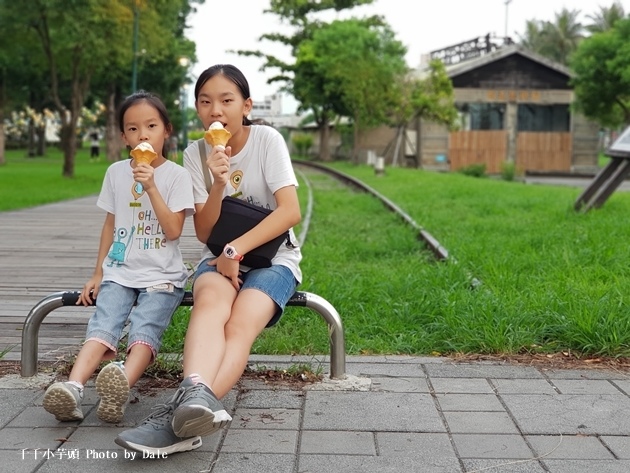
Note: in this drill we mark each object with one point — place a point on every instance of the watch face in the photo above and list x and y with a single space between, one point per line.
230 252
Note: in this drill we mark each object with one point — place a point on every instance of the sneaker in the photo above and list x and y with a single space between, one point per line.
63 400
154 437
199 412
113 388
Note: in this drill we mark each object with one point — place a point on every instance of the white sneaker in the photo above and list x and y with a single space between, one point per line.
112 386
63 400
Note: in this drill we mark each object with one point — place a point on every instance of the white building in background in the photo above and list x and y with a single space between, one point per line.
270 110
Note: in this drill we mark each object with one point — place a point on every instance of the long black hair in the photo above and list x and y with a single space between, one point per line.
155 102
230 72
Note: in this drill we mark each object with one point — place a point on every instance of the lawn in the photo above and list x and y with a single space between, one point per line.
551 279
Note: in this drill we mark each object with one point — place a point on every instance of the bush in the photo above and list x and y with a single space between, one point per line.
302 143
475 170
508 171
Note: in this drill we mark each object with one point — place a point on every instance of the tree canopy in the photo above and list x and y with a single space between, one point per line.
602 75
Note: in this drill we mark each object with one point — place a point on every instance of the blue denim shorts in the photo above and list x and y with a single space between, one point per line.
277 282
149 311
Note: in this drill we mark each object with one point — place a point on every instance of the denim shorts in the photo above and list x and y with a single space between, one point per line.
277 282
149 311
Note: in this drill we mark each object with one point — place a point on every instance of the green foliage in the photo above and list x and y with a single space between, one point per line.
508 171
302 143
556 40
474 170
601 82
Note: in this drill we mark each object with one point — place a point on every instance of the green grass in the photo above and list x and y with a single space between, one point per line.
552 279
27 182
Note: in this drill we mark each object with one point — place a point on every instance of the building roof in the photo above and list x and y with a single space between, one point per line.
471 64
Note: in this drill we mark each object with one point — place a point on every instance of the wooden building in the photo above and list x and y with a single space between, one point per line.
515 106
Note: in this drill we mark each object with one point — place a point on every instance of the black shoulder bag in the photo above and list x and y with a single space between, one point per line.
238 217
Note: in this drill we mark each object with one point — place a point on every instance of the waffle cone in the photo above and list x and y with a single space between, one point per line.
143 155
217 137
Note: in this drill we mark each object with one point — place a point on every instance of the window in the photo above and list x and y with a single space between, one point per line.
543 117
482 116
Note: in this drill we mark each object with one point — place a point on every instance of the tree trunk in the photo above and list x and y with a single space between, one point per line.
69 145
355 145
31 139
3 160
41 140
113 144
324 141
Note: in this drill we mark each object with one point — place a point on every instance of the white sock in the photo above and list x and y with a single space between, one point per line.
78 385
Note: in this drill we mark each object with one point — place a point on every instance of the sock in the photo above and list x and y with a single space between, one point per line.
197 379
76 384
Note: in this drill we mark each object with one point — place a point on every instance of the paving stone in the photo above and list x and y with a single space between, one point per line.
570 414
469 402
623 385
403 412
260 441
251 418
461 385
620 446
574 447
511 447
480 370
400 385
584 374
426 447
337 442
480 423
503 466
363 464
573 386
248 463
587 466
265 399
12 402
523 386
380 370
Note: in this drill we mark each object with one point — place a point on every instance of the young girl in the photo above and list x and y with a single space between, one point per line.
232 303
139 264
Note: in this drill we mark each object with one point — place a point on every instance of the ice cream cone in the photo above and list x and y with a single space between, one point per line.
143 153
216 135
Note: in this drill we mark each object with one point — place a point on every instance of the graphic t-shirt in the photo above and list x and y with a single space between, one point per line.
141 255
261 168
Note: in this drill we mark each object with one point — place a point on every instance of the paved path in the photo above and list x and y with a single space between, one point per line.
392 414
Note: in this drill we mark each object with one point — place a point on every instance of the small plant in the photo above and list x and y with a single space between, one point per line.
302 143
508 171
474 170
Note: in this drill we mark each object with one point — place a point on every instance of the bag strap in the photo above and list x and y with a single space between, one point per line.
204 166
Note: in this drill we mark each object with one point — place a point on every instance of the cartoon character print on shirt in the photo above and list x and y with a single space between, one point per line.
235 179
119 247
137 190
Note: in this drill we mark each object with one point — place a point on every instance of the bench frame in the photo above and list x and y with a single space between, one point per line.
32 324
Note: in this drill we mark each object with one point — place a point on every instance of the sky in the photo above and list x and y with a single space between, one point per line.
421 30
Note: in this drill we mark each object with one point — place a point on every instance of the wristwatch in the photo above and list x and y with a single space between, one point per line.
230 252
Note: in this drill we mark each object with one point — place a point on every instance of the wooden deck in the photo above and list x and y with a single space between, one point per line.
48 249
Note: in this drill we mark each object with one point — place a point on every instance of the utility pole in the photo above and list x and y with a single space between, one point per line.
507 3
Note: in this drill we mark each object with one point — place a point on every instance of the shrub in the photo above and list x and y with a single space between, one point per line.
475 170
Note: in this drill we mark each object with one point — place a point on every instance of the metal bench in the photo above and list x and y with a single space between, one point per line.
30 333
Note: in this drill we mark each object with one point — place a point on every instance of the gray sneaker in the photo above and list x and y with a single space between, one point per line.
154 436
199 412
112 386
63 400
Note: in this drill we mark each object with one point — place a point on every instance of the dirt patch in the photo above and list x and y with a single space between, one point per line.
299 378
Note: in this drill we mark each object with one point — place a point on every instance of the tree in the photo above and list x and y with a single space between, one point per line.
555 40
299 78
85 40
353 66
606 18
602 82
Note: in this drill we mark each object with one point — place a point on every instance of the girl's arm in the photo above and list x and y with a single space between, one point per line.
171 222
91 288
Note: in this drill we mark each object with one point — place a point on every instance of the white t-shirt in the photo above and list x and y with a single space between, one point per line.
261 168
141 256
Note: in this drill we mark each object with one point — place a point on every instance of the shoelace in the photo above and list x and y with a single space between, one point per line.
161 414
192 391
